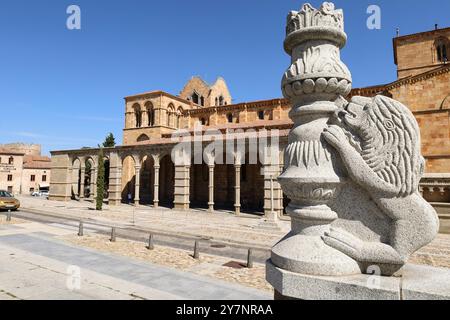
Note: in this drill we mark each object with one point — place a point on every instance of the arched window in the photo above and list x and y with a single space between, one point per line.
138 115
170 115
203 121
202 101
11 160
195 98
143 137
217 101
179 115
150 114
221 101
261 115
0 159
230 118
442 46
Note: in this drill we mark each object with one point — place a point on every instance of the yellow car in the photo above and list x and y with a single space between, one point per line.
8 202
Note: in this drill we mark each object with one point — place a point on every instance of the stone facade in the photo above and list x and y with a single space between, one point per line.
418 53
22 169
151 118
200 93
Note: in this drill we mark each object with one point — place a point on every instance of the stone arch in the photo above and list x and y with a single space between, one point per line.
225 180
199 179
221 100
204 121
150 113
76 178
252 186
143 137
179 117
229 117
195 97
167 181
147 180
442 49
128 178
89 178
107 165
445 103
170 115
137 115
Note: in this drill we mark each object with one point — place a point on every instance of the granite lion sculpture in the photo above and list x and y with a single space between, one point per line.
379 142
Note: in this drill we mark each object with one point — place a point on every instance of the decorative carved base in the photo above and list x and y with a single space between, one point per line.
310 255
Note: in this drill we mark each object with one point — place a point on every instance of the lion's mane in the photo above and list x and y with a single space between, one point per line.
390 143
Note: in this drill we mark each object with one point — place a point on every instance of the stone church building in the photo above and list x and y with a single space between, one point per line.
142 168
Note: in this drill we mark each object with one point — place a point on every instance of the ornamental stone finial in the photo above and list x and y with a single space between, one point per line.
352 170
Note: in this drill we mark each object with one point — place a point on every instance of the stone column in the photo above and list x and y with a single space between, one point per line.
211 188
115 180
156 187
82 177
272 191
181 192
237 189
144 119
62 181
91 186
137 185
94 183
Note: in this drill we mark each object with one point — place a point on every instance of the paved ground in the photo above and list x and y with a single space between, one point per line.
36 265
220 225
218 248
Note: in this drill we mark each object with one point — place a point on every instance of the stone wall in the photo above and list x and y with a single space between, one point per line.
210 93
15 170
61 179
29 186
416 53
425 92
25 148
426 97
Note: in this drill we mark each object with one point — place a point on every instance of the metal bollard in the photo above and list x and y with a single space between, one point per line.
113 234
151 246
81 229
250 259
8 216
197 250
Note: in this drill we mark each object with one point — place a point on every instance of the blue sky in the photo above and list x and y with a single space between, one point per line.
64 89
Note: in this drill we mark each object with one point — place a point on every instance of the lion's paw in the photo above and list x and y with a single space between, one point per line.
335 136
344 242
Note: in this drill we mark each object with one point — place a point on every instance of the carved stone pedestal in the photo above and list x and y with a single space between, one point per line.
417 283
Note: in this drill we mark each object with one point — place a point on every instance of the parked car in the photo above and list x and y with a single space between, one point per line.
44 194
8 202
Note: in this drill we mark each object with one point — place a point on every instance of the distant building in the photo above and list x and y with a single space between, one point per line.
142 166
22 168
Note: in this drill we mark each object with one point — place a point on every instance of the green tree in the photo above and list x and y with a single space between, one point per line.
100 181
110 141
